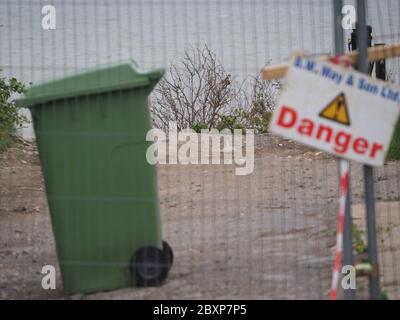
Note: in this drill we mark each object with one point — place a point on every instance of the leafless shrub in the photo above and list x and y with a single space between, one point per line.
260 103
197 90
198 93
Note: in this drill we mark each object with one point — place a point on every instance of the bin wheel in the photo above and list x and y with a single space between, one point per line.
150 266
168 252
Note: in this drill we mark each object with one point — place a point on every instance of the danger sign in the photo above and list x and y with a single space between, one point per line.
337 110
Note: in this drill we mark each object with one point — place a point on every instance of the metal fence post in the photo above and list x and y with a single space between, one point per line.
368 172
349 294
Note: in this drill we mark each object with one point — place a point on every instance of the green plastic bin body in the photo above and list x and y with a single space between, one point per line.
91 134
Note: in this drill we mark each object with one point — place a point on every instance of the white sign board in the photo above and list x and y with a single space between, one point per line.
337 110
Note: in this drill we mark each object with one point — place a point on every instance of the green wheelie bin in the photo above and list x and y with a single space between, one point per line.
91 131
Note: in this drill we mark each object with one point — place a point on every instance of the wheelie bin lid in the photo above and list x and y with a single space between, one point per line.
101 79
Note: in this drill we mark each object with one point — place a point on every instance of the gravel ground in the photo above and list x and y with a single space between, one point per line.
268 235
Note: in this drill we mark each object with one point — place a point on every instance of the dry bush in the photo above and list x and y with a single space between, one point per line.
260 103
199 93
197 90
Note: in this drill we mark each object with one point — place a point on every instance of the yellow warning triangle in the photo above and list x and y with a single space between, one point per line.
337 110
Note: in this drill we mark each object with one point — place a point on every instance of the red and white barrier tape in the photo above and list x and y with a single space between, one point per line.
342 60
344 180
344 166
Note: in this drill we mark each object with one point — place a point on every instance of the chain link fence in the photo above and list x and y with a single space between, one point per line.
267 235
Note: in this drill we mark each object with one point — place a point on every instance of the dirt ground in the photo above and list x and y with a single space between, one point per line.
268 235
